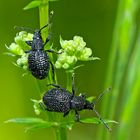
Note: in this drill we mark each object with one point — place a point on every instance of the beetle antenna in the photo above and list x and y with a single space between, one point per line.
104 123
43 27
99 97
23 28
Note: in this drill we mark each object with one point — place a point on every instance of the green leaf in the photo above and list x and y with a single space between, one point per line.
33 4
33 123
37 123
26 121
39 126
90 99
94 58
96 121
10 54
78 66
37 107
61 40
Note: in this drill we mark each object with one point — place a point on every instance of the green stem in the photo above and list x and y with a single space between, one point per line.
61 134
44 19
123 38
69 81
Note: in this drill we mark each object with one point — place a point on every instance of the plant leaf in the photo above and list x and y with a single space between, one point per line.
37 106
26 121
96 120
8 53
33 4
76 67
39 126
90 99
94 58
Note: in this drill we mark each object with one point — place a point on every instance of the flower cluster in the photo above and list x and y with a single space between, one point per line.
17 48
72 51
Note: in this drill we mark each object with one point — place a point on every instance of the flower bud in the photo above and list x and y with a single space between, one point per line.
58 65
72 51
23 61
65 66
16 49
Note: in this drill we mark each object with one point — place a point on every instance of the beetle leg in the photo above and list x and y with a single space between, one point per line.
77 116
53 71
47 39
44 27
66 113
42 106
83 95
73 85
53 51
29 43
27 51
104 123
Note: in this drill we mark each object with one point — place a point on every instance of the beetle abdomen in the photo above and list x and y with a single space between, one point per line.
57 100
39 64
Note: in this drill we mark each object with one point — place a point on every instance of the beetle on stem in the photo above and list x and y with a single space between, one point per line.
59 99
38 59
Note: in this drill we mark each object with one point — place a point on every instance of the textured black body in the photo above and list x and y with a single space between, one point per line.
57 100
39 65
61 100
38 59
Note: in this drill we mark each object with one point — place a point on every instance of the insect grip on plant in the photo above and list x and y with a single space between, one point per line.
61 100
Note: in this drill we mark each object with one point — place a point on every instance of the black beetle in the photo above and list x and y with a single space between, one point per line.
61 100
38 59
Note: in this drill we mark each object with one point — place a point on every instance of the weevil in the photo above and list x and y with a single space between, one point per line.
38 58
61 100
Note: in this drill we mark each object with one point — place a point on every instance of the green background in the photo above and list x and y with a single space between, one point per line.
94 20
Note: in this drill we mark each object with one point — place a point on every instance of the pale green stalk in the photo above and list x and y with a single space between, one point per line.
123 38
131 95
44 19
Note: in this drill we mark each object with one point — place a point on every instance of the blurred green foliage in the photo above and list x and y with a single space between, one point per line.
95 21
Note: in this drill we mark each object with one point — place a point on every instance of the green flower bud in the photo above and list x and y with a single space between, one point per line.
72 51
16 49
62 58
65 66
85 55
25 67
36 106
58 65
71 59
29 37
22 37
79 42
23 61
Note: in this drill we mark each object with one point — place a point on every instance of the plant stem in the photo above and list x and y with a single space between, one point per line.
44 19
69 81
61 134
131 95
122 44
